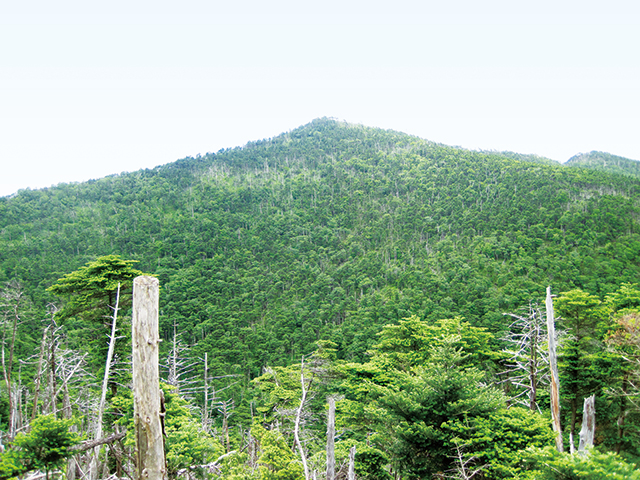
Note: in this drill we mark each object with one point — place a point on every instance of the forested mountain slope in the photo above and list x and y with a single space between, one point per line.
605 162
329 232
362 246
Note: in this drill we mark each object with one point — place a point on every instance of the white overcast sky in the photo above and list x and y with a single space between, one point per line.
91 88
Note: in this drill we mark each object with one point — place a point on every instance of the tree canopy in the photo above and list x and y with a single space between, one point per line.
401 254
92 287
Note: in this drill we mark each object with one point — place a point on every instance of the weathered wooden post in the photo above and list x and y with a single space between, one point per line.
148 408
553 365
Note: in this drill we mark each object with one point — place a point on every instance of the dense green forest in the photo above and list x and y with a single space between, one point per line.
606 162
386 261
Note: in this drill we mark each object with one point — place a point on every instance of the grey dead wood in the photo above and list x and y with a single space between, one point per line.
12 297
296 430
93 467
588 430
352 463
148 408
97 442
553 364
331 433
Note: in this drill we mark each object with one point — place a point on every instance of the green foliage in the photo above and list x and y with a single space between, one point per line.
93 287
44 448
580 314
422 408
91 293
329 232
370 462
275 459
410 342
12 464
605 162
549 464
333 233
186 444
579 310
499 439
626 299
622 388
281 387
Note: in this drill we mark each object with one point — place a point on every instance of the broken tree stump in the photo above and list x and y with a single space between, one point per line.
148 408
587 433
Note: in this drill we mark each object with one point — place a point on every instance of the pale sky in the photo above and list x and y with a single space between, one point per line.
89 89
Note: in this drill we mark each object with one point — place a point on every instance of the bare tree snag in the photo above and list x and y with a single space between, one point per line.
205 410
464 464
13 296
296 431
53 384
588 430
225 408
34 410
352 463
89 444
553 364
331 433
528 362
150 460
93 469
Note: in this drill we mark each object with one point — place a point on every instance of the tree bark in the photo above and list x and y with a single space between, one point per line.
296 431
53 384
352 463
331 433
205 410
533 368
34 411
148 408
12 406
588 423
72 465
553 364
93 470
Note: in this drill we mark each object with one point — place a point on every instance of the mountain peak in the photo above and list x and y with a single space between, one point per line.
607 162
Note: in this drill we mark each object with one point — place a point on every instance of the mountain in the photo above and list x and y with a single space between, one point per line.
330 231
605 162
334 261
525 157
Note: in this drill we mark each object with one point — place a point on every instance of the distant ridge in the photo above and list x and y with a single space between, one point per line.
605 162
328 232
533 158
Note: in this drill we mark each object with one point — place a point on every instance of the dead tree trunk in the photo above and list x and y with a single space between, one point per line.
205 410
148 408
93 471
34 411
13 296
527 367
296 431
553 364
12 406
53 384
588 430
331 433
352 463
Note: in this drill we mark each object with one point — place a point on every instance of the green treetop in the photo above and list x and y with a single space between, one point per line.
93 287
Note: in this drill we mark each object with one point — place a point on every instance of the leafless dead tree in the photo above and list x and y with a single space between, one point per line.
528 363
